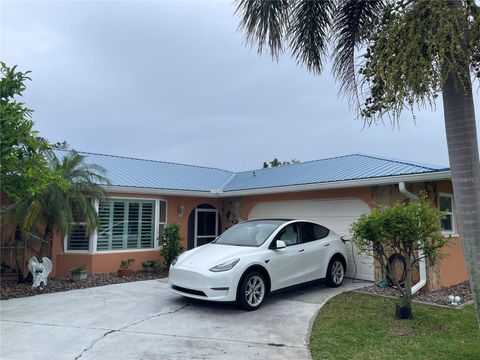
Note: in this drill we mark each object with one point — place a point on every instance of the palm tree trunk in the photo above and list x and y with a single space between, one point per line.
47 238
459 113
462 144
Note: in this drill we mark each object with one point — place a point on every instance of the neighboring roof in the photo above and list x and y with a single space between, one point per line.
132 173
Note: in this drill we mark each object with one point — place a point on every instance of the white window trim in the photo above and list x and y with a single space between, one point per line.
452 232
93 238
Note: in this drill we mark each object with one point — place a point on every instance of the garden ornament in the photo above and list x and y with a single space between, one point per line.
40 271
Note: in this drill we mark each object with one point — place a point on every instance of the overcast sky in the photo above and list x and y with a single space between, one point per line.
173 81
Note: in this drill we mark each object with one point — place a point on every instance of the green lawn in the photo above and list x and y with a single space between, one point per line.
361 326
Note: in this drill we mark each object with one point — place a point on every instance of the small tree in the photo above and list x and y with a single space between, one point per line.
171 243
275 162
409 230
64 202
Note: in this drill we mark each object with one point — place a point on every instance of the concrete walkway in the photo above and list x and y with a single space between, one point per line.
143 320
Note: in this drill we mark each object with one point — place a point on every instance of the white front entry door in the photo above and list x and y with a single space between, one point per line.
336 214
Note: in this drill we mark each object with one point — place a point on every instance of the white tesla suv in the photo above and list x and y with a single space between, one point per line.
258 257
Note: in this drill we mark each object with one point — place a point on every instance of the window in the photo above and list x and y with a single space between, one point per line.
289 235
126 224
311 232
78 238
446 205
162 216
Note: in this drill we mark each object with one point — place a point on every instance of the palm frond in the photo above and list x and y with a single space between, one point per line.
353 18
264 22
308 32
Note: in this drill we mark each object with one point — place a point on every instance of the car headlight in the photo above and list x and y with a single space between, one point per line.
228 265
174 261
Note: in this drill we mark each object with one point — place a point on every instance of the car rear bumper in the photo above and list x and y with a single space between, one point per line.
202 284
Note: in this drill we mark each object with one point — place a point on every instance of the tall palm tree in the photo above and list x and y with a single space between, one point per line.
310 29
66 201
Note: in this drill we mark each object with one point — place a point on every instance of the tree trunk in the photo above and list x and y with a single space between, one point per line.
462 144
47 238
408 282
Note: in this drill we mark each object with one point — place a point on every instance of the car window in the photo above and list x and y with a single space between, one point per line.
311 232
248 233
289 234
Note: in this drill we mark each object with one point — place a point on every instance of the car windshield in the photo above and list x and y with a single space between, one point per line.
249 233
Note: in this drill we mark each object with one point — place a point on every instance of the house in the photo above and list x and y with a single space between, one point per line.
145 195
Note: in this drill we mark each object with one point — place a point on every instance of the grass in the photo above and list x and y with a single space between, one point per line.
363 326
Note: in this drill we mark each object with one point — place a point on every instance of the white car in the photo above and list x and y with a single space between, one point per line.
255 258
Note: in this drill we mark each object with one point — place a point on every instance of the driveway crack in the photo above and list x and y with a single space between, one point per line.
126 326
154 316
93 343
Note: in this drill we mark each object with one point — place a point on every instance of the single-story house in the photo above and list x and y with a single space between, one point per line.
145 195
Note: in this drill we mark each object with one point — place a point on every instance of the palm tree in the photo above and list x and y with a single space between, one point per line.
345 27
66 201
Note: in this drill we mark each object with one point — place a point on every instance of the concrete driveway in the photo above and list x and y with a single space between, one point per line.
143 320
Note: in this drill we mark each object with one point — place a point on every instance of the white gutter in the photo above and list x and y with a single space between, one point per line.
421 263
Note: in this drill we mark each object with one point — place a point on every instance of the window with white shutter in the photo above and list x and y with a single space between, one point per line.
126 224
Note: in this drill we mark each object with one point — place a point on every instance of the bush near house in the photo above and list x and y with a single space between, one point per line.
411 231
170 242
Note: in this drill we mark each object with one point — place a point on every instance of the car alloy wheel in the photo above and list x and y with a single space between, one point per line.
255 291
251 291
335 272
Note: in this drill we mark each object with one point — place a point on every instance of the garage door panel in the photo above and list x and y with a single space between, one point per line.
336 214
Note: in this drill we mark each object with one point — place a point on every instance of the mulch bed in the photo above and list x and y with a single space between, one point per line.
439 297
10 289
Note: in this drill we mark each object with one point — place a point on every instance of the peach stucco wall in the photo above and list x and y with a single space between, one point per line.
103 262
452 266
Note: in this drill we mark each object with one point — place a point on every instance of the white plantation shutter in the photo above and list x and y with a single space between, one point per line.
126 224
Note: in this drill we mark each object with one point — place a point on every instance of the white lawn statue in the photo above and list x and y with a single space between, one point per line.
40 271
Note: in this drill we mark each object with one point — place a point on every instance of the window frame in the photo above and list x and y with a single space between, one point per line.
93 237
453 231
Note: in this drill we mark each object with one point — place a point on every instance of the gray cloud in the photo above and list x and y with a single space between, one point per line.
172 81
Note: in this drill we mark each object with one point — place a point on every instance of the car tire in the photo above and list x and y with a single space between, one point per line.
335 272
251 291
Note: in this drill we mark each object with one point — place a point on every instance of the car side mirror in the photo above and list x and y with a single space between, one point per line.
280 244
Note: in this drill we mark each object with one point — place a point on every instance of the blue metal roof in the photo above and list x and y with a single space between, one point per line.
138 173
342 168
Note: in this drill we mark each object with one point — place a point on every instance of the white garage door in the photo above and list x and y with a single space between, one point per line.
336 214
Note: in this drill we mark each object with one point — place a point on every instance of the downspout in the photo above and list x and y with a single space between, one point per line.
421 263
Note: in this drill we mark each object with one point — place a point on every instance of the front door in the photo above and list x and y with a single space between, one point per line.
206 226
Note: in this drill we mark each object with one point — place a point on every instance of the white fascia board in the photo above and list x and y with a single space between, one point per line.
432 176
150 191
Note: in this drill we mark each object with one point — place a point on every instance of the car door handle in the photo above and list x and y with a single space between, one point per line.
326 245
301 250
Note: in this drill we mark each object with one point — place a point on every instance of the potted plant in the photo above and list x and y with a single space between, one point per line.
79 273
150 265
125 268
